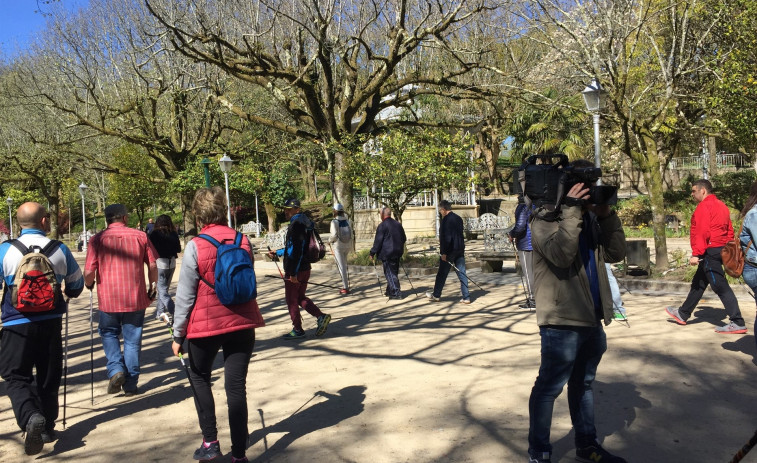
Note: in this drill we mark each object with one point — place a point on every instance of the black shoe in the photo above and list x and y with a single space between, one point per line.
294 334
208 453
49 436
33 439
596 454
540 457
115 383
131 391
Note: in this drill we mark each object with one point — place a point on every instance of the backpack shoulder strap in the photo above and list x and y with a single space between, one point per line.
209 239
50 248
20 246
238 239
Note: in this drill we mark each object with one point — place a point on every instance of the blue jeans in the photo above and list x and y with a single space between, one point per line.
130 325
441 276
750 278
568 355
165 303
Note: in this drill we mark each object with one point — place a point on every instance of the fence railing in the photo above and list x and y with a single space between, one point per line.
737 160
424 198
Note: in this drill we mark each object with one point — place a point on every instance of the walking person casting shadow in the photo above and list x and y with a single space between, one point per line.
348 402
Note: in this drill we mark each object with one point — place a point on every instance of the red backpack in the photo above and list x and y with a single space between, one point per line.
35 288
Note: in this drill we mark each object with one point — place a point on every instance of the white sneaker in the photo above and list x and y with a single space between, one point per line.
431 297
465 301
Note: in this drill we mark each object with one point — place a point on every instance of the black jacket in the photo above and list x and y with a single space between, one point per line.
451 238
390 240
167 244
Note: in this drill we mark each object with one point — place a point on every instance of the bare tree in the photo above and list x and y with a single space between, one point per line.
338 68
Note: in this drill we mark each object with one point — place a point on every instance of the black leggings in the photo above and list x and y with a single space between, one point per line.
237 350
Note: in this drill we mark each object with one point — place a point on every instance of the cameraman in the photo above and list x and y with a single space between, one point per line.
572 300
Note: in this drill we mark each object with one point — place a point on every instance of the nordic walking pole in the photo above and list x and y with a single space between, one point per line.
91 350
262 422
276 261
381 289
408 279
189 378
309 282
65 366
466 276
522 271
745 449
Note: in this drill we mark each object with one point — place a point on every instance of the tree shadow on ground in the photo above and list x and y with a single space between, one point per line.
347 403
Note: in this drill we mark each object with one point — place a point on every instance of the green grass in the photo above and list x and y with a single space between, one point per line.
412 260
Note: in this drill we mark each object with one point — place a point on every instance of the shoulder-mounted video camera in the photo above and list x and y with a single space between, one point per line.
547 178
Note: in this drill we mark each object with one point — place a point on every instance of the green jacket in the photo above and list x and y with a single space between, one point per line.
561 285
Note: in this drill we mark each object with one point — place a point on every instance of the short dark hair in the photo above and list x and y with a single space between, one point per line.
446 205
703 183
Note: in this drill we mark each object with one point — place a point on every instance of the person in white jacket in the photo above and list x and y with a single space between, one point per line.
341 239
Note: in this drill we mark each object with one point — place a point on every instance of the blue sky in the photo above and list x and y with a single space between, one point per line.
21 20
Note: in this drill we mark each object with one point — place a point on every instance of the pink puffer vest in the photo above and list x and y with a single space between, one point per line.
210 317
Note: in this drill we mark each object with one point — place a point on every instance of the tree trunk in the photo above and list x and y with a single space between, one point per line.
270 212
488 148
54 201
342 186
653 179
307 170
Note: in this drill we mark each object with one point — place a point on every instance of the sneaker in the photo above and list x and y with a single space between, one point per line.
465 301
239 460
596 454
731 328
431 297
115 383
166 318
33 439
344 291
208 452
543 457
673 312
323 323
49 436
294 334
618 315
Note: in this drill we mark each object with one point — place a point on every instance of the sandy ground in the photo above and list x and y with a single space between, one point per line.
413 381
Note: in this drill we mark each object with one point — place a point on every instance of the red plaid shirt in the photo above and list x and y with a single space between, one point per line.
117 255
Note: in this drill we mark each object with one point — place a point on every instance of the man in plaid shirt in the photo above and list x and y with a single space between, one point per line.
116 259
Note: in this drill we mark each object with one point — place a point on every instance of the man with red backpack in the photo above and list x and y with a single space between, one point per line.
297 271
33 268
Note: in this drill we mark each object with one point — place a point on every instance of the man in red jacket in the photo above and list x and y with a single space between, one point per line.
711 229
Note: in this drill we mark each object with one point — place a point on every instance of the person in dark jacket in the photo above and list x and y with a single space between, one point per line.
208 326
573 300
297 271
388 246
451 249
166 242
521 234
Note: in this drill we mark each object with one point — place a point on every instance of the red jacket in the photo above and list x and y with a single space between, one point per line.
710 225
209 317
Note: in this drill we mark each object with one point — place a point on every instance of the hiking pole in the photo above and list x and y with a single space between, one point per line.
189 378
309 282
265 436
466 276
65 366
91 350
745 449
522 271
275 261
408 279
381 289
338 267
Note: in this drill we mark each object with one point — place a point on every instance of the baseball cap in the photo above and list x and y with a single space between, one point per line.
338 207
292 203
114 211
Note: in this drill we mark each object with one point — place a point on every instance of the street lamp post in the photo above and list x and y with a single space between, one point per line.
10 216
83 189
225 163
205 165
593 94
257 220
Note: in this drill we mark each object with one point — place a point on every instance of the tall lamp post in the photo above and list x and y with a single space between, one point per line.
257 220
83 189
10 216
206 167
593 98
225 163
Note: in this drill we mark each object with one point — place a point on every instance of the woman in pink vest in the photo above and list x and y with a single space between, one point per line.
208 325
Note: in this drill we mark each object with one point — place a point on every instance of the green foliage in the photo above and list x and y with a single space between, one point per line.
135 185
635 211
363 257
733 187
404 163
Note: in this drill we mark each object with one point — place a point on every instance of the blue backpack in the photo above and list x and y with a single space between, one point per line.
234 275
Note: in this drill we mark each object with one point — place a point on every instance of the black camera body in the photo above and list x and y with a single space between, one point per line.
547 182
